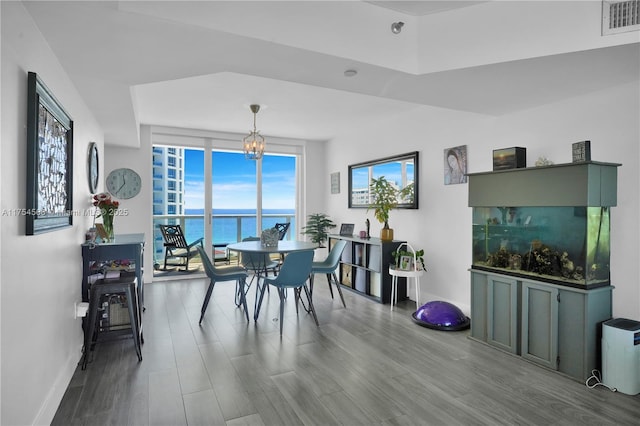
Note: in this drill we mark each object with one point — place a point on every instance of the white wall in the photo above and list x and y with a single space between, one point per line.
41 275
139 209
442 224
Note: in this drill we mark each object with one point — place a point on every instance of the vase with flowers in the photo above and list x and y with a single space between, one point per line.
107 210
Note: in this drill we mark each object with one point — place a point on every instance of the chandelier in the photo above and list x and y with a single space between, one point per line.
253 144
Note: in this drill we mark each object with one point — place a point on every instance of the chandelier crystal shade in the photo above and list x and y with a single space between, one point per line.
253 144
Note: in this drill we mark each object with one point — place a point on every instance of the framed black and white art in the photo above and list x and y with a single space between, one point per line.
49 161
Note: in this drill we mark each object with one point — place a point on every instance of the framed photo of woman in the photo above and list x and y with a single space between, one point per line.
455 165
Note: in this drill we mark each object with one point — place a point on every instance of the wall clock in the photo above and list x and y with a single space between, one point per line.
124 183
93 169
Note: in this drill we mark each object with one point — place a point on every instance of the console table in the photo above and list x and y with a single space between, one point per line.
123 246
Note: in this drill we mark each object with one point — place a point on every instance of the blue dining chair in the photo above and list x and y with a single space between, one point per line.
329 266
294 273
225 273
257 263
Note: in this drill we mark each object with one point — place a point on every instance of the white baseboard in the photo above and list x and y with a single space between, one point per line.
54 397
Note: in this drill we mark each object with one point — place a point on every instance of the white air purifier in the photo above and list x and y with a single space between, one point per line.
621 355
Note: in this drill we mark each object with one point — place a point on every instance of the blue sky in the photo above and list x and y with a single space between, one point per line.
234 181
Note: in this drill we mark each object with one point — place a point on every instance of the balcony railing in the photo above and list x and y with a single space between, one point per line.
225 228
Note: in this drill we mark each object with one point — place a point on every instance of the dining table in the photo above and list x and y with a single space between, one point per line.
257 248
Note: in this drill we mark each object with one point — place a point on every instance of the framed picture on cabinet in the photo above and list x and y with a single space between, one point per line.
49 161
406 263
346 229
581 151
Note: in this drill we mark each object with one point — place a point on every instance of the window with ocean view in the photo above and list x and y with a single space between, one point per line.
236 186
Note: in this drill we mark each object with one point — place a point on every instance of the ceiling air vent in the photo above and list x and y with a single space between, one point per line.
620 15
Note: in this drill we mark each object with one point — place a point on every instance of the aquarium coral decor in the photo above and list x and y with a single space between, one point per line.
566 245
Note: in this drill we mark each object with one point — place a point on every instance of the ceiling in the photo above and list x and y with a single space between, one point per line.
200 65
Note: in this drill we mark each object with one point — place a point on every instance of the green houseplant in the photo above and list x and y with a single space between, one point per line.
385 197
318 225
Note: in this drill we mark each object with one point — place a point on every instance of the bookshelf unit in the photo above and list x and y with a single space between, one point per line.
364 267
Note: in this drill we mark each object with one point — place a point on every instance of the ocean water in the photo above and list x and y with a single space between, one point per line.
226 222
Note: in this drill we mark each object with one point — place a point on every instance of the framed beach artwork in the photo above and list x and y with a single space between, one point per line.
455 165
49 161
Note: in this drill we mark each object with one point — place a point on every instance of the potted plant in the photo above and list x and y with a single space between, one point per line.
318 225
384 199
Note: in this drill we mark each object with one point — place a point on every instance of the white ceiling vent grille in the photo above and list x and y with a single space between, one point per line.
620 15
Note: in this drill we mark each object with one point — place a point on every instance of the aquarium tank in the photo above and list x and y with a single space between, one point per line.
563 245
548 223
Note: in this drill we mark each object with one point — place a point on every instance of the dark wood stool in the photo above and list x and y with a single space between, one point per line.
127 287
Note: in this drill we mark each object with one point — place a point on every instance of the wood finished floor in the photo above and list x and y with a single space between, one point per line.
363 366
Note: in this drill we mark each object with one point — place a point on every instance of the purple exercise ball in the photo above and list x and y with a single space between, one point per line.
441 315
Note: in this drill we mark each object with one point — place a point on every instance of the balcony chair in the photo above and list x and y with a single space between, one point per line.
294 273
176 247
225 273
282 229
329 266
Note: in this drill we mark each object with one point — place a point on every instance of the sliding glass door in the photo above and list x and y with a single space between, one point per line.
244 196
279 192
249 196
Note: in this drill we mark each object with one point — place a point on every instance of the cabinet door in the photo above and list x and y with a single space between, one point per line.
580 317
540 324
502 313
479 306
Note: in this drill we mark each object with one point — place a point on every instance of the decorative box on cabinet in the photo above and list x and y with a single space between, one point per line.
364 267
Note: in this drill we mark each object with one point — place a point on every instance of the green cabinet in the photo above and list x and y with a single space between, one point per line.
554 326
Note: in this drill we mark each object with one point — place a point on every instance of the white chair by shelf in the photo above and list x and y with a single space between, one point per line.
414 271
